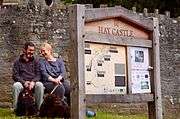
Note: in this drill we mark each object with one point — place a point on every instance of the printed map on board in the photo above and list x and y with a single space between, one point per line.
105 69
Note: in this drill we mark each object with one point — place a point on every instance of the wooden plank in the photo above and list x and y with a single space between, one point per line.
116 40
10 3
155 108
151 110
151 105
76 17
157 78
129 71
95 14
117 98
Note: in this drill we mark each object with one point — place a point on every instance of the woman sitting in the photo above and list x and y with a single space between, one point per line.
53 73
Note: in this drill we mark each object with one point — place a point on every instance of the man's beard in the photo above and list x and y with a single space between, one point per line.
29 56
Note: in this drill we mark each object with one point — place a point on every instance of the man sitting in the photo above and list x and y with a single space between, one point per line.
26 74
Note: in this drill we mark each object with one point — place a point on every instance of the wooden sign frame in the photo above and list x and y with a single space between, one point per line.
78 16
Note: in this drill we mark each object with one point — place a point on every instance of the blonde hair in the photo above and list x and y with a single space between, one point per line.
46 45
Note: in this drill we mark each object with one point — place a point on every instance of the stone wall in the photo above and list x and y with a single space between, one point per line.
170 64
19 24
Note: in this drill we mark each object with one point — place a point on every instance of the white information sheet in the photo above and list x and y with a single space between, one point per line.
140 78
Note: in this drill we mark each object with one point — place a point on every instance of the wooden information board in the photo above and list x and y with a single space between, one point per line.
116 59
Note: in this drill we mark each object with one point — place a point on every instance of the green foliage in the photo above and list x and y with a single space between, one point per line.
163 5
69 1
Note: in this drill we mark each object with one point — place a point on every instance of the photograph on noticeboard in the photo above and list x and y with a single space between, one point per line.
144 85
139 56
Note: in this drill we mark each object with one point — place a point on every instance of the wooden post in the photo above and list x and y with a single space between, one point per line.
76 19
129 89
151 110
155 108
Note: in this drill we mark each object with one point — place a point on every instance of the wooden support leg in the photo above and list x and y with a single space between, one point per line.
151 110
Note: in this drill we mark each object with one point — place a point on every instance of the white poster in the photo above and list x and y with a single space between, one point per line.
140 78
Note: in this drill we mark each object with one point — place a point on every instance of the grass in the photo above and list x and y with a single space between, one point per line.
104 115
8 114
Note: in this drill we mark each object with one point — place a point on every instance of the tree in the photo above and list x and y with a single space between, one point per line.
163 5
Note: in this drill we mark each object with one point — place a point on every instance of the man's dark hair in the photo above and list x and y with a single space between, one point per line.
28 44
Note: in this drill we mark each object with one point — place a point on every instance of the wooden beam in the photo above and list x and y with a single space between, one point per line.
117 98
155 108
157 78
151 110
76 17
10 3
129 70
116 40
95 14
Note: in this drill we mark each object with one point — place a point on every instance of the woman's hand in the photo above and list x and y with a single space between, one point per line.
58 81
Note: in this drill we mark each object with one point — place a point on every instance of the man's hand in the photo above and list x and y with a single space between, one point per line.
31 85
26 84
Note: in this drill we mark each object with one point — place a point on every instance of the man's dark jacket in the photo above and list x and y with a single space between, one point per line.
26 71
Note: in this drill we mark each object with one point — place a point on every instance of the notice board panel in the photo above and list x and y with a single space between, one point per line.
105 69
139 63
